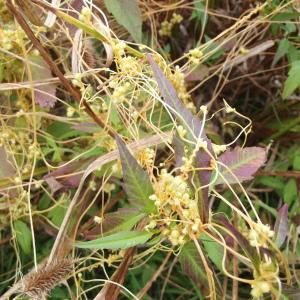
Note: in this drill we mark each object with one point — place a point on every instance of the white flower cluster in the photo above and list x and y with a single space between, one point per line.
146 157
167 26
218 149
177 211
85 15
127 64
178 81
195 55
263 279
120 92
130 65
259 288
259 235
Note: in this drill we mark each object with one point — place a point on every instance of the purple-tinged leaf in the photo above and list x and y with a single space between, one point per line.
77 6
191 263
198 74
53 184
242 162
45 95
193 125
171 99
88 127
66 176
242 241
6 168
281 225
178 146
137 183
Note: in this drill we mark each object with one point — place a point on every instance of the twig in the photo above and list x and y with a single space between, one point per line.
54 68
252 52
167 277
145 289
279 173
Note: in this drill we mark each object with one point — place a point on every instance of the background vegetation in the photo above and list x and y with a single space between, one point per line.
149 149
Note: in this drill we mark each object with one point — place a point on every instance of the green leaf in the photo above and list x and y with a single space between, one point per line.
285 16
293 54
120 240
214 250
127 14
23 235
272 181
62 131
296 163
122 220
200 13
290 192
191 263
44 202
137 183
57 214
293 80
283 49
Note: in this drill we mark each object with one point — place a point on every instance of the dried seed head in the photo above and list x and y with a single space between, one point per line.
38 284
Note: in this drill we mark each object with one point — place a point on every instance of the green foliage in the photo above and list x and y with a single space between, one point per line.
132 99
199 13
190 261
296 163
127 14
23 236
122 220
293 80
214 250
137 184
282 50
290 192
120 240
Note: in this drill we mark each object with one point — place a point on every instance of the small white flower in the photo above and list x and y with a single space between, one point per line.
98 220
